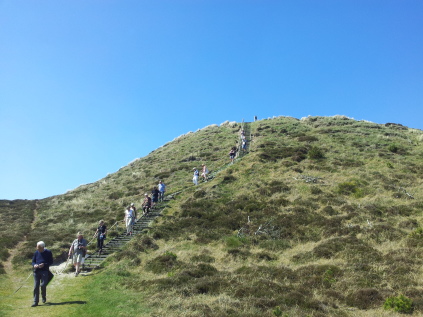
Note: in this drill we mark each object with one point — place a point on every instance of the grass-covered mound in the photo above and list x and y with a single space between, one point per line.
321 218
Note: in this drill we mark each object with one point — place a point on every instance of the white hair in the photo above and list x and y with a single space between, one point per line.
41 243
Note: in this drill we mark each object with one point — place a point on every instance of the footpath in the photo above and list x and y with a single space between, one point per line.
143 223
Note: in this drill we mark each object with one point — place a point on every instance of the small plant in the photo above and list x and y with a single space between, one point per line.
235 242
350 188
328 277
417 233
278 312
389 164
315 153
393 148
400 304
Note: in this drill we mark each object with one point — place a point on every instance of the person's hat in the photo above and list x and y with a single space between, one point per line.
145 194
132 204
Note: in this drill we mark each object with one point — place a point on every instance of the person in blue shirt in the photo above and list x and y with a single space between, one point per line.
41 262
195 177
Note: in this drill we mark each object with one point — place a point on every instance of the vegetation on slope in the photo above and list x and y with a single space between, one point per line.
322 217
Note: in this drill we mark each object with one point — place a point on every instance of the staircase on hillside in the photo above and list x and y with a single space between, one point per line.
246 126
94 260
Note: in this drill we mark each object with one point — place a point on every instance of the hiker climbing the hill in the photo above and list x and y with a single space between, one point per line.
162 189
41 261
204 172
77 250
146 205
101 235
155 195
129 220
195 176
232 154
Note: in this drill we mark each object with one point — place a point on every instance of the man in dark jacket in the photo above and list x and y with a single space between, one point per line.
41 262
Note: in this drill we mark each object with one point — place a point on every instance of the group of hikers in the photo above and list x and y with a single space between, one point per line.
157 194
43 258
204 174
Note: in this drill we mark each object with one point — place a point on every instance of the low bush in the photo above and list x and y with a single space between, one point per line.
350 188
162 263
315 153
365 298
203 258
400 304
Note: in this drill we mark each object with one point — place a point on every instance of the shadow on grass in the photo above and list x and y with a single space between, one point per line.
66 303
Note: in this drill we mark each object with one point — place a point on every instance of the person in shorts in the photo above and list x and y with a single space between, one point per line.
77 250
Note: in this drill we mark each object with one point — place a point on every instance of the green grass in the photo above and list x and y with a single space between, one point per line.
321 218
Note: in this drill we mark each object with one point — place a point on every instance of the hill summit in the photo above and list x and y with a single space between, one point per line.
318 217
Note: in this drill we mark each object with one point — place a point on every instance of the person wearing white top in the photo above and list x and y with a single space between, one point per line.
129 220
195 177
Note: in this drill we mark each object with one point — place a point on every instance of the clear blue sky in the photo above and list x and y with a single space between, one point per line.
88 86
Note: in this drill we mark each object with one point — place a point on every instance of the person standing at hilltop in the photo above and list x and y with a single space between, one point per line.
195 176
162 189
41 261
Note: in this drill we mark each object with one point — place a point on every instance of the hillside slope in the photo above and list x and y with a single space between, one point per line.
322 217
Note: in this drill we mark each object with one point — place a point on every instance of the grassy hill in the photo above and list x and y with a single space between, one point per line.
322 217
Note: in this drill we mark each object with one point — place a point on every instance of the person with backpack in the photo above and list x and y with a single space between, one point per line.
78 249
101 235
195 177
41 261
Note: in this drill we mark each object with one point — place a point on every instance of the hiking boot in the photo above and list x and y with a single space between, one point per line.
76 274
34 305
44 300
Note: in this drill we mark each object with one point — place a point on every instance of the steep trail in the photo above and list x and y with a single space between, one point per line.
94 260
8 265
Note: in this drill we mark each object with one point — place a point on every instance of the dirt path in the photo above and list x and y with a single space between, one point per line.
8 266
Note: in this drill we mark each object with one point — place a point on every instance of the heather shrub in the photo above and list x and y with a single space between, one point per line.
400 304
365 298
315 153
162 263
